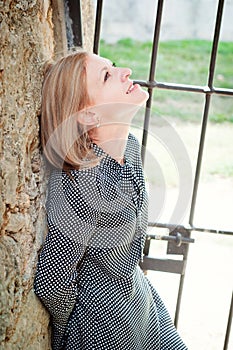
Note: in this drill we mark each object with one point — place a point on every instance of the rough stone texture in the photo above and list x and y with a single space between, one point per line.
88 15
27 41
32 32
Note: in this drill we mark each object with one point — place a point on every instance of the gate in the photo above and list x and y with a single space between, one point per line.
178 236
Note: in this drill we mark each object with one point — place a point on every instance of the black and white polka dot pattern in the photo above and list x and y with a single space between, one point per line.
87 274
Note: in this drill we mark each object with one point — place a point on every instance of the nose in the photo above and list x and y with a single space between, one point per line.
125 73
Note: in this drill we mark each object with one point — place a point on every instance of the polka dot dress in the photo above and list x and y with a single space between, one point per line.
87 274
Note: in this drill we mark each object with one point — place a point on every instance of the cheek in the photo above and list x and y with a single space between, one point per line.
95 93
109 94
115 94
96 98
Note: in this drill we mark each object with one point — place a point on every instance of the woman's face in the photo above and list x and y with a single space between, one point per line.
109 84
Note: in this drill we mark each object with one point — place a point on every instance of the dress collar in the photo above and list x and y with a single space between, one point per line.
107 160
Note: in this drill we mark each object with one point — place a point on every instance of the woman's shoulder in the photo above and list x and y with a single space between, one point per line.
62 182
75 189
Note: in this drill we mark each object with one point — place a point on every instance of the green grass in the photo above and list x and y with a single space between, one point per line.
183 62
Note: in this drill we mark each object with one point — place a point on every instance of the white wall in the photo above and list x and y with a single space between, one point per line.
182 19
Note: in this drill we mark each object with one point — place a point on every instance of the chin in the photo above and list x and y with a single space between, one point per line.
143 98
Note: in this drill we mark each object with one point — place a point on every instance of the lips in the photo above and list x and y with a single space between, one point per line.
132 87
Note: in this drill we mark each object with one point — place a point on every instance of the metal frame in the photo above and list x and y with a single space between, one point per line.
178 236
178 244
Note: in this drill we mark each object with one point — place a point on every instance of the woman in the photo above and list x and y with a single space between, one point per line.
87 274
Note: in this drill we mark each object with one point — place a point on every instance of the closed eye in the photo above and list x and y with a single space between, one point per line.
106 76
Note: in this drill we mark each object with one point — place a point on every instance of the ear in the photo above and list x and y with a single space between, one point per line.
87 117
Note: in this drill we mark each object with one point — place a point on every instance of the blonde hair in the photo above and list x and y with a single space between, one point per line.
65 142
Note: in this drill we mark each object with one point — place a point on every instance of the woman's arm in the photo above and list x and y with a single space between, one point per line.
73 211
56 275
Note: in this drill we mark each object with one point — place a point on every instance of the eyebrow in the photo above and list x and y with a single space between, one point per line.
102 70
105 68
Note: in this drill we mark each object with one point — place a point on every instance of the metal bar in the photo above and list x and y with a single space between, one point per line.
215 43
151 77
146 246
188 228
228 330
185 87
208 230
206 109
156 40
170 238
221 91
178 302
199 159
98 19
146 126
163 265
171 227
172 86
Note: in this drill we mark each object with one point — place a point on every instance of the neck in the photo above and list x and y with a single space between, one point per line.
112 139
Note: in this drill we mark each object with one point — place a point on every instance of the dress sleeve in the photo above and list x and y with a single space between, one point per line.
73 210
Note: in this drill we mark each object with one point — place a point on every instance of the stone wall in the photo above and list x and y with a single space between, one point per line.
31 32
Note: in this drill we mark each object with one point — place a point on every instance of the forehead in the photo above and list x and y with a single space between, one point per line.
95 61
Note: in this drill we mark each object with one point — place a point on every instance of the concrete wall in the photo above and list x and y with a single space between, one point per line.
31 32
182 19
